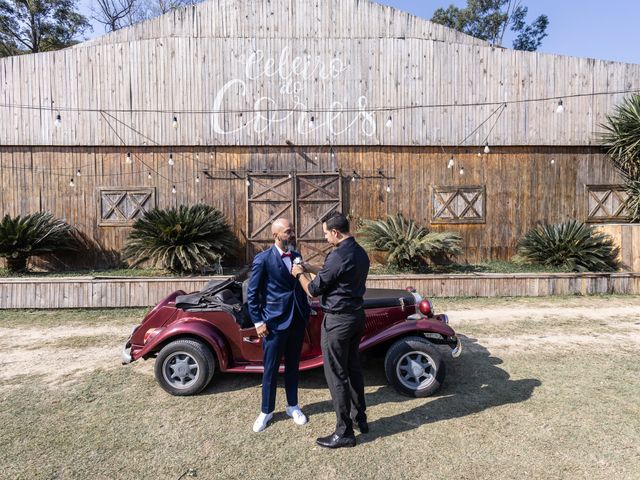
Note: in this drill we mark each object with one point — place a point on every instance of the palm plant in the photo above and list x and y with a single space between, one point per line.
572 246
181 240
24 236
621 137
406 244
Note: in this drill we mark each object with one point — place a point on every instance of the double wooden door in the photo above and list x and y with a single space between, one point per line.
304 198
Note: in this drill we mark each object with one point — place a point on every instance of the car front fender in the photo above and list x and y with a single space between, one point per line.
424 325
189 327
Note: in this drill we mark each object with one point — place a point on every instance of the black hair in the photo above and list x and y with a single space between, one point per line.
337 221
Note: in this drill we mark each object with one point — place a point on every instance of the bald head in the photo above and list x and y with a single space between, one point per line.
283 233
281 224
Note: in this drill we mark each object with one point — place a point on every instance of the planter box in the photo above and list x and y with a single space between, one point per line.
91 292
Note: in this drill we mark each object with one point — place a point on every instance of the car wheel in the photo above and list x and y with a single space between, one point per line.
414 367
184 367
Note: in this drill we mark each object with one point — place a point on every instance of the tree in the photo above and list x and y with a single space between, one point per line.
115 14
153 8
621 138
489 20
31 26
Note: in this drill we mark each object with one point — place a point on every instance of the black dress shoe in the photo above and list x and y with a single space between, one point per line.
363 426
337 441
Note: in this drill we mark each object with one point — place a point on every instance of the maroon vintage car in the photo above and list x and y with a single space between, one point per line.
193 335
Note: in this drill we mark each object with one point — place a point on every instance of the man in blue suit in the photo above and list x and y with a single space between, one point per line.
279 309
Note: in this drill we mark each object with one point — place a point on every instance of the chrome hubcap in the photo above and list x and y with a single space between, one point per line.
416 370
180 370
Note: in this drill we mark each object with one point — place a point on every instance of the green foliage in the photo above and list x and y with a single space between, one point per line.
182 240
24 236
489 20
31 26
571 245
621 137
407 245
633 203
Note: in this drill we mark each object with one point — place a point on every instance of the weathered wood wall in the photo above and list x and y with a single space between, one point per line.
523 186
89 292
627 238
127 93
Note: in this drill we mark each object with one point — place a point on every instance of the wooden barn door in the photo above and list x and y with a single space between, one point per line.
303 197
317 194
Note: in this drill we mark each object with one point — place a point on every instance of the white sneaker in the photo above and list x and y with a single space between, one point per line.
261 422
297 415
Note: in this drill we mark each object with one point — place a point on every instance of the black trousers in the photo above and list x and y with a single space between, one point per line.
341 334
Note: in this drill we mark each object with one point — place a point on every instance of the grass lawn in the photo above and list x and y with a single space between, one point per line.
545 388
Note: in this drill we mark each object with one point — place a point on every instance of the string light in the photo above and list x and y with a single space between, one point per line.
560 107
175 122
311 122
149 176
78 174
290 176
173 190
486 148
461 170
171 162
248 182
58 120
129 160
451 162
389 122
553 161
197 178
388 188
72 183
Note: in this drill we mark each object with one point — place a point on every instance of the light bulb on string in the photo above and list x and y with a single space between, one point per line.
451 162
58 120
479 154
171 162
149 176
197 178
461 170
553 161
311 121
389 122
72 183
78 174
486 148
129 160
290 176
173 190
388 188
248 182
175 122
560 107
353 179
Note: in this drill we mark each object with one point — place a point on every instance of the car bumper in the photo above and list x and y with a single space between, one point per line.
125 355
457 350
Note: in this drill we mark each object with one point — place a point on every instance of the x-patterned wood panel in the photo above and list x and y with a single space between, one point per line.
606 203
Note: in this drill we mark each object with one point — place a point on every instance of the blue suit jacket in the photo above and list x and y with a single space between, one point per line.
274 294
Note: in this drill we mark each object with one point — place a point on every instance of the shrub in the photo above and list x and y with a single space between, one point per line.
621 137
407 245
24 236
572 246
181 240
633 203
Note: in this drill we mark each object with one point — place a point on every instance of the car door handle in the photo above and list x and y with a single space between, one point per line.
253 340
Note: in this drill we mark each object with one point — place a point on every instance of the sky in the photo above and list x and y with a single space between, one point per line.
602 29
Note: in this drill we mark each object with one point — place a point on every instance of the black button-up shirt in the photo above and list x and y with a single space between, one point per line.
341 281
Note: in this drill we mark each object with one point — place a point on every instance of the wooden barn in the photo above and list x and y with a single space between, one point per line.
266 108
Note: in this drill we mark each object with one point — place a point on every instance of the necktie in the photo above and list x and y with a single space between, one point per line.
287 254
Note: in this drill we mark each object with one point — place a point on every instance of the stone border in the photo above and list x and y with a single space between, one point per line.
118 292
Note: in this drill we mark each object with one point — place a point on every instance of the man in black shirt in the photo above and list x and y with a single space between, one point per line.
341 285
